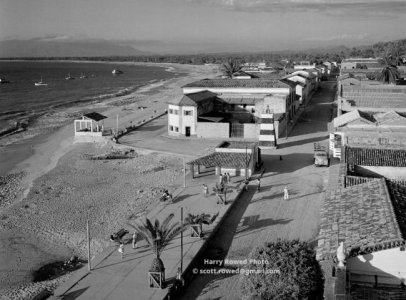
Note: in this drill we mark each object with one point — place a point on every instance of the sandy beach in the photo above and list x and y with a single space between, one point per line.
50 183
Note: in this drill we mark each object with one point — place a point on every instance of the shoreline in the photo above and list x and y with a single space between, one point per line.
53 154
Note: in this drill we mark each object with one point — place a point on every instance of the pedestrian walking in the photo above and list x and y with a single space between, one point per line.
221 178
121 250
134 240
285 193
246 182
258 184
228 177
280 157
205 190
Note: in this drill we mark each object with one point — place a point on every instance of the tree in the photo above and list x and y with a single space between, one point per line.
389 72
158 236
198 221
283 270
230 67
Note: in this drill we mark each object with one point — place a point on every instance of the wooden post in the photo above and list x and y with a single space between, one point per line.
181 240
89 267
117 124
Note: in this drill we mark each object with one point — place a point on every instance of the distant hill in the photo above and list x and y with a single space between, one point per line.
65 48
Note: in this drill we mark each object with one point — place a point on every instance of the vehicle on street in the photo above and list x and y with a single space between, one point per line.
321 155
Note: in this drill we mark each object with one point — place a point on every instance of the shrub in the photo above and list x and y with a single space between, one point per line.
289 271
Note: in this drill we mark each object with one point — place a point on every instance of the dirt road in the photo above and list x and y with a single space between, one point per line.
265 215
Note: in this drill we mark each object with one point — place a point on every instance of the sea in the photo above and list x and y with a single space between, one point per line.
20 98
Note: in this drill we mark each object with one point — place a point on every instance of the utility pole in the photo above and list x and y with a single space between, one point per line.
181 240
117 124
89 267
246 163
184 172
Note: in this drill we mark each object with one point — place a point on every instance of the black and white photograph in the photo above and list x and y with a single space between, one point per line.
202 149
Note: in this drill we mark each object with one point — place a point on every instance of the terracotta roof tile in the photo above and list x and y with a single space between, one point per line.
223 159
361 216
375 157
238 83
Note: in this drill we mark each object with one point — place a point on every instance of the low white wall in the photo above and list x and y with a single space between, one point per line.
389 265
213 130
88 133
251 131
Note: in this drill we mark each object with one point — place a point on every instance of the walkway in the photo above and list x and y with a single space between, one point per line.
116 278
265 216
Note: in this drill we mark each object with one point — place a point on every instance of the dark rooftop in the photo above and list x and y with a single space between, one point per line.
95 116
375 157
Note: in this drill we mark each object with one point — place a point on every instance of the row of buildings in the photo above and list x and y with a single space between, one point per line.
366 207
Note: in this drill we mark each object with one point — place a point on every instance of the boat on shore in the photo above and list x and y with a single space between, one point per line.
69 77
117 72
82 75
40 83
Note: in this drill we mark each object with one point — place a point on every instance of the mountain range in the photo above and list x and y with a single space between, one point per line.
54 47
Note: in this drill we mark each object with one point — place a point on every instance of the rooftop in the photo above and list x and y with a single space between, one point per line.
375 157
375 96
194 98
223 159
361 216
95 116
238 83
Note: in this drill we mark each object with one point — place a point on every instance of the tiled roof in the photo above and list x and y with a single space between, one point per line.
375 96
398 196
361 216
223 159
240 100
194 99
238 83
375 157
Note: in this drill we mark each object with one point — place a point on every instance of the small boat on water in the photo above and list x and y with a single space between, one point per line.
82 75
69 77
40 83
116 72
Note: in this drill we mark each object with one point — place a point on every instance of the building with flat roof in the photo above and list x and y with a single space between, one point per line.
234 108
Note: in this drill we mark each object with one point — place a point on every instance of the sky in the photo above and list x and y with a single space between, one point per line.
245 24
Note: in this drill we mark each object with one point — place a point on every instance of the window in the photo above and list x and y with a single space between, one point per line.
187 113
175 111
171 128
171 111
176 129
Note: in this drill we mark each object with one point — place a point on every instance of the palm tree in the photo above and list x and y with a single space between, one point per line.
158 235
199 220
231 67
389 72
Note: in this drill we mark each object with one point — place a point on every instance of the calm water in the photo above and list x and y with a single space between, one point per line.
21 98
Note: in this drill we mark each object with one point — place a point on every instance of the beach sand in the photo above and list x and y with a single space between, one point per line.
55 186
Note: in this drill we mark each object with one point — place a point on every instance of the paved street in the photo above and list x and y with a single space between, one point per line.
265 216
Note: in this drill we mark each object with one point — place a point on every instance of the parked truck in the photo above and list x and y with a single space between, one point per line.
321 155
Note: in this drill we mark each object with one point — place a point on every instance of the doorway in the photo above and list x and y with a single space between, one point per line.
187 131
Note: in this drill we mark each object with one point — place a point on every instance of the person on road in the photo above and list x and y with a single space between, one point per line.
246 182
285 193
258 184
205 190
121 250
221 178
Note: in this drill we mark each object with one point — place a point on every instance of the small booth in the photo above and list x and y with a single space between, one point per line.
236 158
91 124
